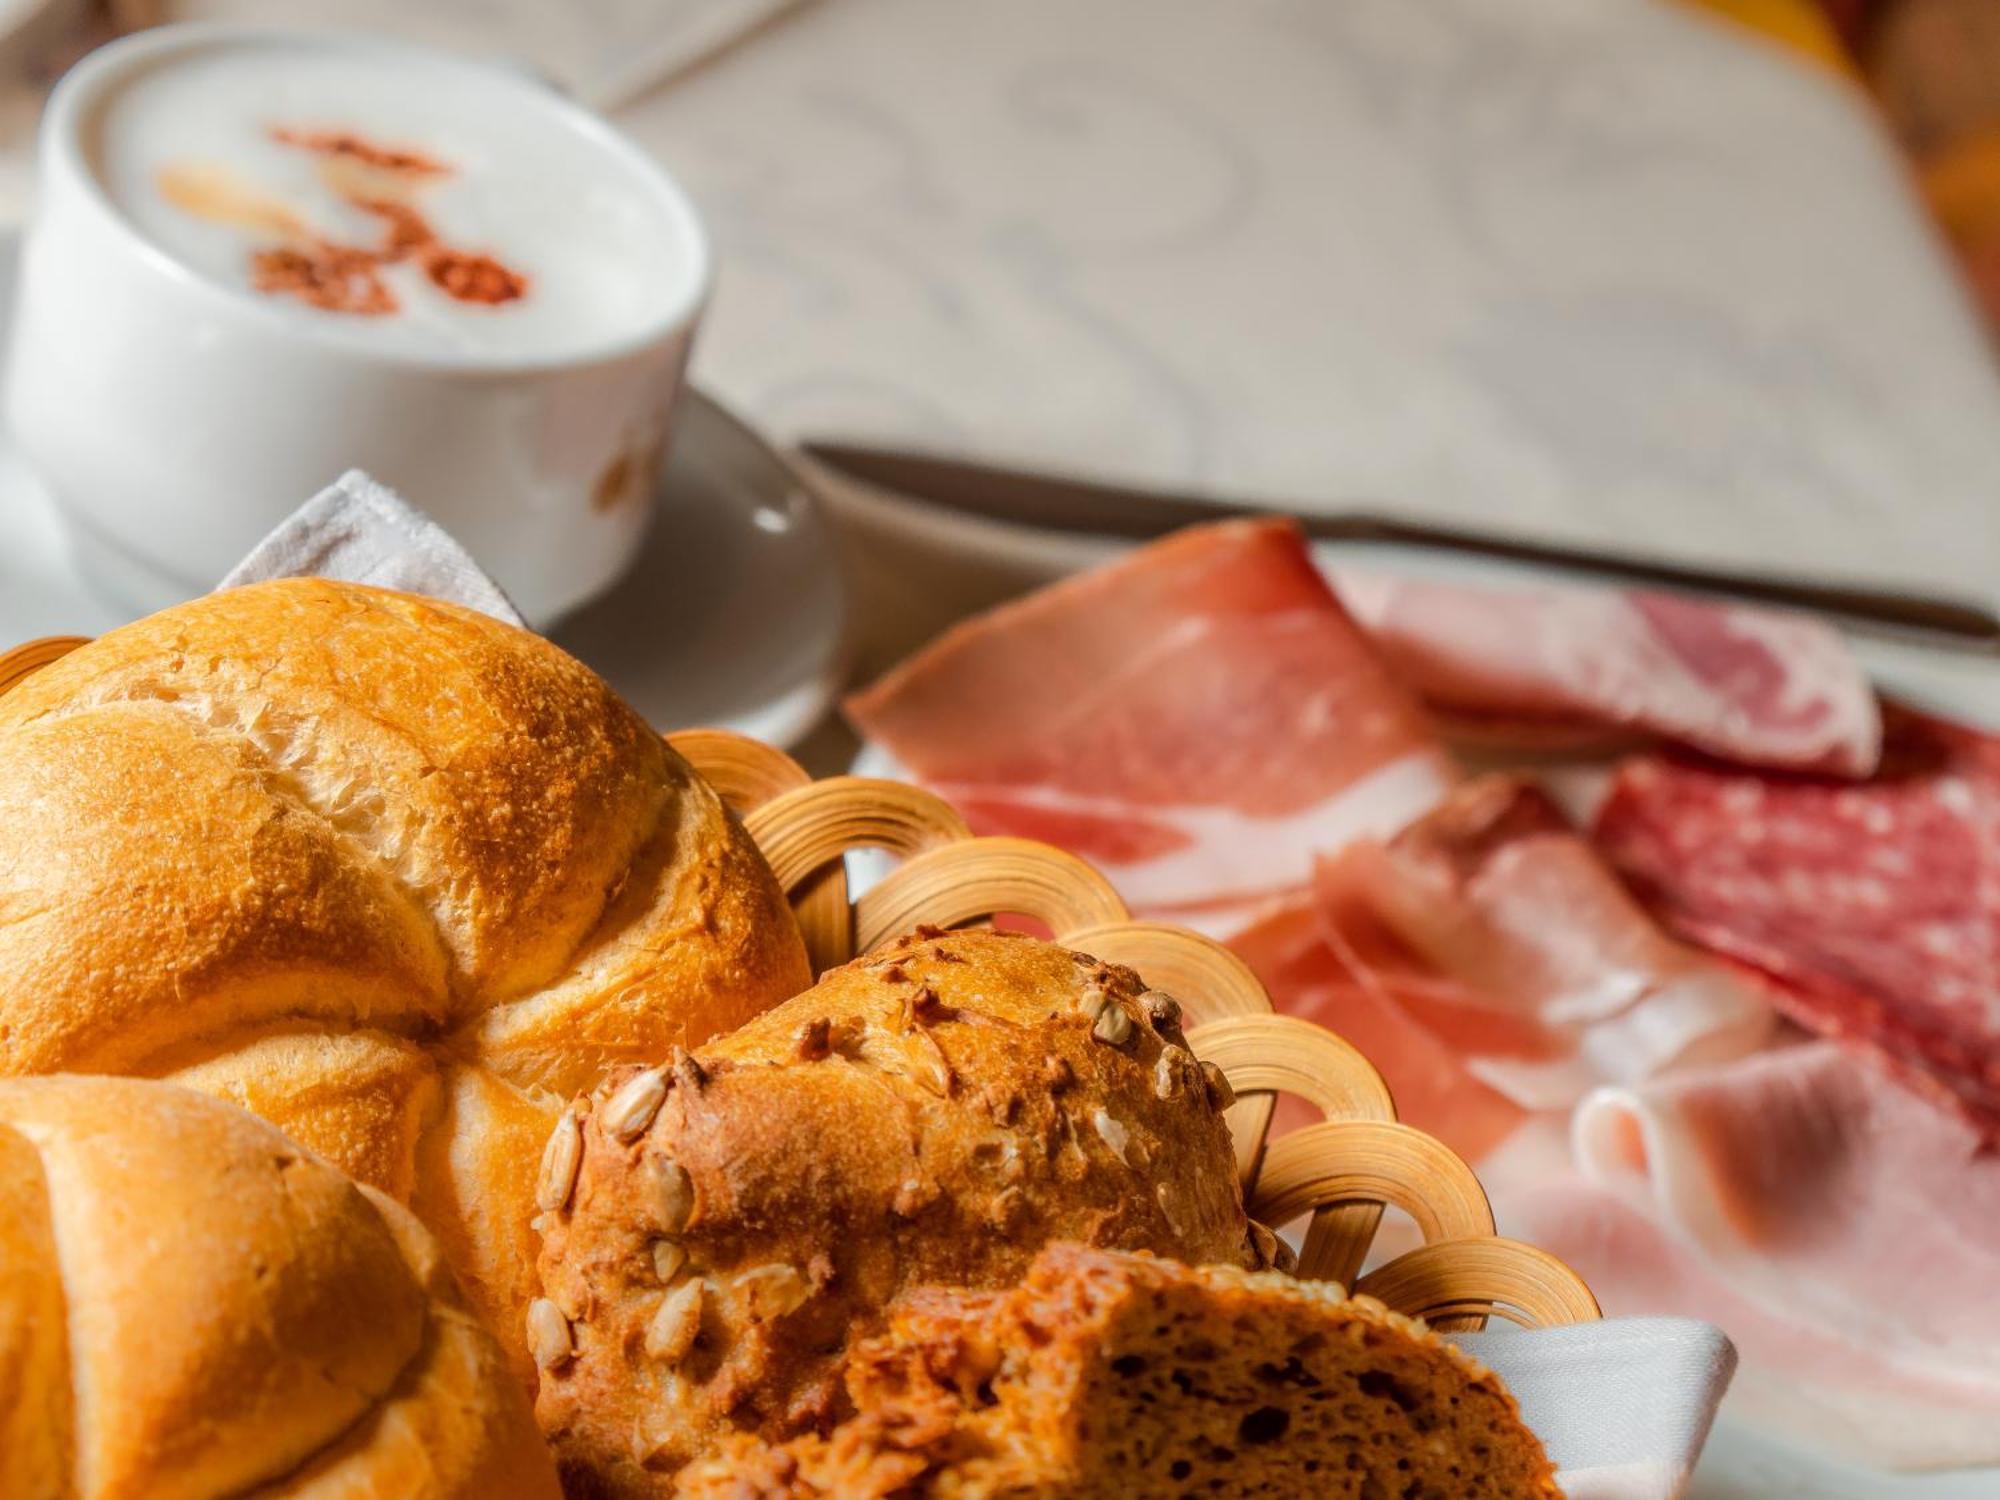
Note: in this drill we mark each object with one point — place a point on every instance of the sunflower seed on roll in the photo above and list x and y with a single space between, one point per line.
628 1112
560 1159
675 1323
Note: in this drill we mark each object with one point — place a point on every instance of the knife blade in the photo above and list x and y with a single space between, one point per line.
1065 503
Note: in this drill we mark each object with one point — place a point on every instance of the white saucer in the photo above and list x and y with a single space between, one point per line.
735 613
733 616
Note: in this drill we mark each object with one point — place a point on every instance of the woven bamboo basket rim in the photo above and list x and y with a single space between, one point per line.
1338 1173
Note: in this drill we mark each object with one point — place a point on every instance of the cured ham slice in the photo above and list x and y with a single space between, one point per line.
1754 686
1198 719
1493 924
1877 906
1433 1091
1844 1231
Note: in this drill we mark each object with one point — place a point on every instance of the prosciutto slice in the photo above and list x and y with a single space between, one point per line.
1198 719
1844 1231
1754 686
1877 906
1289 951
1494 925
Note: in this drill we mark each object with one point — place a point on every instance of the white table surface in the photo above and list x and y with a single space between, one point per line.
1602 269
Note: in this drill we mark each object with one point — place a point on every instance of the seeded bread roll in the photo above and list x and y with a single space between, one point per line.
191 1306
395 875
718 1230
1108 1375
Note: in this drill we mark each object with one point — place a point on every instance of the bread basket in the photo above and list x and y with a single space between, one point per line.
1341 1170
1338 1173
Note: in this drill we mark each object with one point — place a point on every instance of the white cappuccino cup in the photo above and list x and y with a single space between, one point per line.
259 258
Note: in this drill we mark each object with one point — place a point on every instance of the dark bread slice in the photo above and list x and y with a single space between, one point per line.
1107 1374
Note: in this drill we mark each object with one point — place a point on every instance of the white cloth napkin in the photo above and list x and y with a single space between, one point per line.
1623 1406
363 532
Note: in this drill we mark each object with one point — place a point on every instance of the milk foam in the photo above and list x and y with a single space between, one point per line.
605 251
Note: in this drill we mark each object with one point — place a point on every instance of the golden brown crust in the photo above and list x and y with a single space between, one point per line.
1106 1374
200 1308
327 850
476 1189
360 1098
934 1113
35 1414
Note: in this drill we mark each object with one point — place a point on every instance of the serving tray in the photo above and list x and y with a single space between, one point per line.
1338 1172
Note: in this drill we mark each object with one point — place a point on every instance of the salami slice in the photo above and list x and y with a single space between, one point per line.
1875 905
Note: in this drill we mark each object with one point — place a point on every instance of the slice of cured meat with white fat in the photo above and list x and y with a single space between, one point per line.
1876 906
1493 923
1843 1230
1426 1076
1199 719
1755 686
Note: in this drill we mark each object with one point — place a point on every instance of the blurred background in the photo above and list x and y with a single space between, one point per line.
1711 280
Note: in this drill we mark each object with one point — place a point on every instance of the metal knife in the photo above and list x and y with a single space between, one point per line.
1060 503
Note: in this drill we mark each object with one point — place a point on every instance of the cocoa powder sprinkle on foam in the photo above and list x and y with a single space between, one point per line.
334 276
351 146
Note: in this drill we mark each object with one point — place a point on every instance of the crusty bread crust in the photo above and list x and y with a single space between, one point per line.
1111 1375
395 875
190 1305
933 1113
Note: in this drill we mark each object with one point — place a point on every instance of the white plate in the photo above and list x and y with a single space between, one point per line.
732 616
986 560
973 561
